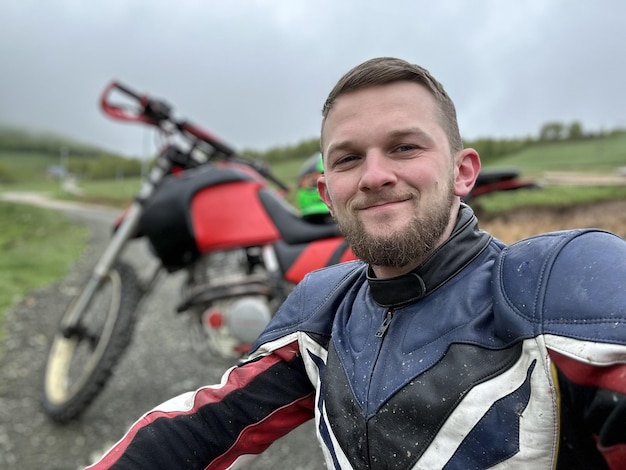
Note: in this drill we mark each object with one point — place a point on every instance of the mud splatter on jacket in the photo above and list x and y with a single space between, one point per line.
486 356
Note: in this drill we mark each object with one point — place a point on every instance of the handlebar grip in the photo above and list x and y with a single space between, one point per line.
149 112
128 91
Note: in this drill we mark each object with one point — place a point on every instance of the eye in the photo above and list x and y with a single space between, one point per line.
405 148
345 160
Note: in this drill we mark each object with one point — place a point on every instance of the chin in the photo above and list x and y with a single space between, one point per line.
386 229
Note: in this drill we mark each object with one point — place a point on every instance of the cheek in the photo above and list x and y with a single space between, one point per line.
340 189
338 197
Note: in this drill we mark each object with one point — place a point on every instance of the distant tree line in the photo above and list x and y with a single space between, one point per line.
493 149
490 149
299 151
82 160
104 166
17 140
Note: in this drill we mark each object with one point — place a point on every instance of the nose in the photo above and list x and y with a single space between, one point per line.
377 172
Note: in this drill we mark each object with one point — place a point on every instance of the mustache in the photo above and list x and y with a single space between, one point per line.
378 200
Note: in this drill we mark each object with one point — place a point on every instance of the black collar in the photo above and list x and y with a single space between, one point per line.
465 243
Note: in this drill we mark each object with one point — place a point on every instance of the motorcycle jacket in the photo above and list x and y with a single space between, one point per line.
485 356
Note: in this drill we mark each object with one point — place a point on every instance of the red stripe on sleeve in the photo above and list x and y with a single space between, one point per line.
238 378
273 427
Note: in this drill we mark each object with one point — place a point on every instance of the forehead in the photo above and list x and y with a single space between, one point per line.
380 108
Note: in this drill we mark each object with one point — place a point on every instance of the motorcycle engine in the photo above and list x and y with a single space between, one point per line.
248 318
231 322
231 326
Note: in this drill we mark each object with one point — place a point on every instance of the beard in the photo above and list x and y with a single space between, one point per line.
399 249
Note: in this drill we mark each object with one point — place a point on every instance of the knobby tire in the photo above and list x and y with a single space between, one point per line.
69 388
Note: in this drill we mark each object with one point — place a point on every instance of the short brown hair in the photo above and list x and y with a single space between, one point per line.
384 70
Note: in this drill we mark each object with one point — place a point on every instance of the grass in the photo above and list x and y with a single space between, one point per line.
554 196
116 193
595 156
37 246
27 166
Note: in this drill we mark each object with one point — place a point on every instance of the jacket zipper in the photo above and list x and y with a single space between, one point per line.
384 326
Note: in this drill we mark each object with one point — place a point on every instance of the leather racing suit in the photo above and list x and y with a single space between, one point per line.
485 356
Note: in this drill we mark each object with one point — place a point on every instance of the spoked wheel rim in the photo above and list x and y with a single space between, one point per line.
72 360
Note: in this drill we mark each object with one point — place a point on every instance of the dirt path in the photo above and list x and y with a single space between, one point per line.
522 223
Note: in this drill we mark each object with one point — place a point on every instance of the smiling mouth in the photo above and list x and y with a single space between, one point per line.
377 204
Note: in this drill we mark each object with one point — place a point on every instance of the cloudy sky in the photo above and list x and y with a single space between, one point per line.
256 72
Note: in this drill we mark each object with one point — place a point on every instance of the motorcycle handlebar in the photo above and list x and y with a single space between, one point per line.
157 113
127 90
147 110
205 136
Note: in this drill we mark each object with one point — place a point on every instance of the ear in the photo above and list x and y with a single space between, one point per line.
324 194
467 167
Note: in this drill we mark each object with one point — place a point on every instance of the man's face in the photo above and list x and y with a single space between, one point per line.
388 173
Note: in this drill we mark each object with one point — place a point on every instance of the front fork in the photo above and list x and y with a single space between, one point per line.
70 324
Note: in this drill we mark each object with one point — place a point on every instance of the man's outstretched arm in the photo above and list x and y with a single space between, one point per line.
255 404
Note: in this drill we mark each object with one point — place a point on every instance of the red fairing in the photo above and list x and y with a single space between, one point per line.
615 456
347 256
229 216
244 169
317 255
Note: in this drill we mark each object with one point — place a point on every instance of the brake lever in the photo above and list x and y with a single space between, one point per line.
151 111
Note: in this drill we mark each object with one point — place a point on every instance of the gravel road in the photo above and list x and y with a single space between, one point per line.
159 364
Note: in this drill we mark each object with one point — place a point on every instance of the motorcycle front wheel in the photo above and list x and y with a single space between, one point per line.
81 362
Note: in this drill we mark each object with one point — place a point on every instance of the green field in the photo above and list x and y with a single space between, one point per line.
37 247
593 156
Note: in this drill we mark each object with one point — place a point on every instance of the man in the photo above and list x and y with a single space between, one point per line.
444 348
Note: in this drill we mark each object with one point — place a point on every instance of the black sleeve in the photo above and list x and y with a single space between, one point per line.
256 403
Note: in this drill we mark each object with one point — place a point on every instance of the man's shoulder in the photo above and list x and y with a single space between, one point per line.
564 281
312 305
330 275
538 257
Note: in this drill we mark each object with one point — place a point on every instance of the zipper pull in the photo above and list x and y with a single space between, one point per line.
382 329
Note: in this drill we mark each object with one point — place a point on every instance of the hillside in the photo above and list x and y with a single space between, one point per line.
37 157
601 155
32 142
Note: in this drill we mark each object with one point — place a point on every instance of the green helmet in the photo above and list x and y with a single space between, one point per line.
309 201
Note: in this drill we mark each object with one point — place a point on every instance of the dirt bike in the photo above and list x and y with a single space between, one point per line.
206 211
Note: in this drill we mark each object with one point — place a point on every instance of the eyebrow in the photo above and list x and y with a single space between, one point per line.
343 145
394 134
411 131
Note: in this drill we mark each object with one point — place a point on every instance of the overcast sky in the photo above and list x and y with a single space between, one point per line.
257 72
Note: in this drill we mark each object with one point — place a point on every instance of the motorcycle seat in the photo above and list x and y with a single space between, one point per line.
293 229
